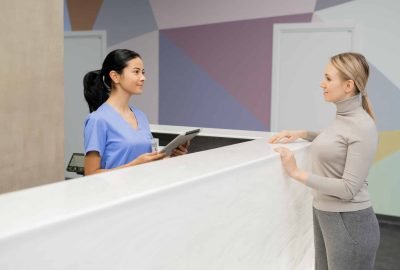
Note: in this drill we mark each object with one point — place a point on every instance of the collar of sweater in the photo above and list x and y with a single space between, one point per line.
348 105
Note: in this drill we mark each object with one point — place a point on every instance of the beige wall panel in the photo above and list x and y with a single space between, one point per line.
31 94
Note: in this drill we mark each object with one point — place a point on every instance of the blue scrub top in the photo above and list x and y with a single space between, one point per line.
116 141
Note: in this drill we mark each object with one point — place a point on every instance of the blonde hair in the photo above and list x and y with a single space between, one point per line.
354 66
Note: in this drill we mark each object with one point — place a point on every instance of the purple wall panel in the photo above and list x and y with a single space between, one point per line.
189 96
125 19
238 56
322 4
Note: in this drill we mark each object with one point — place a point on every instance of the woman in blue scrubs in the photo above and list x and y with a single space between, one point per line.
116 135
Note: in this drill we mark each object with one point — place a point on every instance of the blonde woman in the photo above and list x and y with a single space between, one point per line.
346 230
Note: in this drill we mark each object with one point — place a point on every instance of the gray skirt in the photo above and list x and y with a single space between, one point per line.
345 240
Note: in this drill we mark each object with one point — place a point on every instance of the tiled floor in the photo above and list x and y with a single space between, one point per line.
388 257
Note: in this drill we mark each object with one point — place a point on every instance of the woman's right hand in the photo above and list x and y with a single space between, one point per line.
146 157
287 136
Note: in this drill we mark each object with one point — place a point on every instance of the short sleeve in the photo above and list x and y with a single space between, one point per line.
95 135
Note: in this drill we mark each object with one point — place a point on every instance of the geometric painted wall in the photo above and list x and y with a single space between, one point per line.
219 75
209 63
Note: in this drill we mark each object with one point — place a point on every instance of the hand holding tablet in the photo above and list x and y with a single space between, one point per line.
179 140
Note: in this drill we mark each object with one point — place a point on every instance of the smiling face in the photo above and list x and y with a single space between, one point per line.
132 77
335 88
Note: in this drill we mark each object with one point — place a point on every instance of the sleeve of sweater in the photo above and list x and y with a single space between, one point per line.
311 135
360 155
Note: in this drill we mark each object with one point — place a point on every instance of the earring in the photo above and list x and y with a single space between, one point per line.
104 82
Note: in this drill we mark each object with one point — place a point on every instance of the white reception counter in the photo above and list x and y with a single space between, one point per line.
227 208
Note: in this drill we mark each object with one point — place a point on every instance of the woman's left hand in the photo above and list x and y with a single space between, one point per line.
181 149
290 165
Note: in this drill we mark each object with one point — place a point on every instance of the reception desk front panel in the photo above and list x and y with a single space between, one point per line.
226 208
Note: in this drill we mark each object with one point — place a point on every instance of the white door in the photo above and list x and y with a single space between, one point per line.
300 54
83 52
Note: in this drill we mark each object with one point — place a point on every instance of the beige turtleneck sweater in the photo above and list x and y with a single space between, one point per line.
341 157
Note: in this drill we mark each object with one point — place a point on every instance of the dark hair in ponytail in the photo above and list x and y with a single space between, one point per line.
97 84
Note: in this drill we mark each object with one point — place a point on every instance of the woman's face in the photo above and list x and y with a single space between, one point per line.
132 77
335 88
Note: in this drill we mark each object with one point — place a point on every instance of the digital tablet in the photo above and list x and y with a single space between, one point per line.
179 140
76 163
